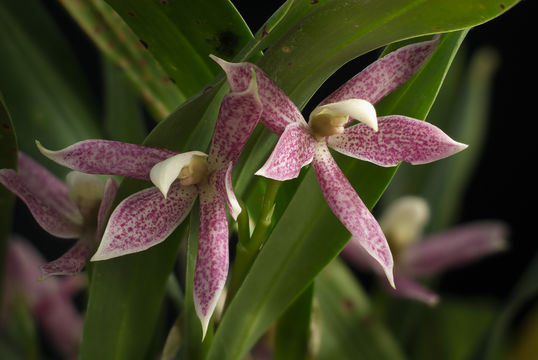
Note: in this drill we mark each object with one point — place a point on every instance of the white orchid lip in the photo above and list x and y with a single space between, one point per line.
329 119
164 173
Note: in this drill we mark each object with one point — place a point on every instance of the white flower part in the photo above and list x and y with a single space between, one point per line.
85 190
358 109
404 220
164 173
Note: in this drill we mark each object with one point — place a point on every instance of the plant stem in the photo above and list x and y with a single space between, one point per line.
248 247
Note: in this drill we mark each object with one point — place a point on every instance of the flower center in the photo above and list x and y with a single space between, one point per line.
195 172
326 123
86 191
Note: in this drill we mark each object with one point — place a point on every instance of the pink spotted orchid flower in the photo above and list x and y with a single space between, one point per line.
417 256
385 141
75 209
148 217
50 302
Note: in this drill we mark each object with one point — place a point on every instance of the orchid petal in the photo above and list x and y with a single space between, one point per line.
221 180
73 261
51 218
278 109
164 173
238 115
47 187
111 189
399 138
144 219
386 74
407 287
456 247
294 149
350 210
358 109
212 260
108 157
86 191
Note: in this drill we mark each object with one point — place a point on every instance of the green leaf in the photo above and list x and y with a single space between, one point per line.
182 34
122 47
293 328
348 328
8 160
123 120
42 84
297 250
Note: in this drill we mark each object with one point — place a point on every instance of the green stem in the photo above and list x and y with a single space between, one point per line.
248 247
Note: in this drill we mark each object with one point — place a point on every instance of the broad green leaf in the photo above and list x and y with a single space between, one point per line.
8 160
298 249
293 328
181 35
121 46
349 329
41 81
123 118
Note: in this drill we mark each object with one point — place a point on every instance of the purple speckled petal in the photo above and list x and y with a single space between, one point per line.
386 74
51 216
111 188
44 185
73 261
145 219
212 259
238 116
294 149
398 139
278 109
407 287
221 180
349 208
455 247
108 157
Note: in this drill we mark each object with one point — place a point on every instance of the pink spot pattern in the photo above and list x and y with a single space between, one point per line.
221 180
278 109
294 149
145 219
386 74
212 260
73 261
109 194
237 118
110 157
399 138
350 210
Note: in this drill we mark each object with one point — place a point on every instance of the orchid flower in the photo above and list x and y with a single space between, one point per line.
385 141
76 209
403 222
147 218
50 301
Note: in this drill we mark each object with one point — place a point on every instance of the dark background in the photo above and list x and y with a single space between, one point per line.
502 186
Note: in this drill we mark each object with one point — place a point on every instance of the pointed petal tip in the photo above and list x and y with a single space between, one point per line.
43 150
390 276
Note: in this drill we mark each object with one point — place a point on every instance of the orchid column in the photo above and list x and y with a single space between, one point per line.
148 217
385 141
